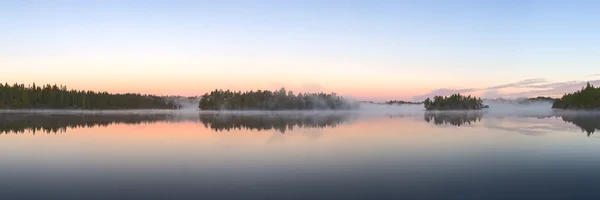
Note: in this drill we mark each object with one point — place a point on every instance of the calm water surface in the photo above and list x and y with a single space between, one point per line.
305 155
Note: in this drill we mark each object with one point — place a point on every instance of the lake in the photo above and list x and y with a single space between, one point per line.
385 154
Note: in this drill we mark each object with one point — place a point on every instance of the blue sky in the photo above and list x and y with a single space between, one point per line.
366 49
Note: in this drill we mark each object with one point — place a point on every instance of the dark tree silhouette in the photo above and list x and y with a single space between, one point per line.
454 102
18 96
586 98
268 100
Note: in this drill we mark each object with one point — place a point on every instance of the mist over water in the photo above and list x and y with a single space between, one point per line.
496 109
186 103
378 151
190 107
533 108
280 119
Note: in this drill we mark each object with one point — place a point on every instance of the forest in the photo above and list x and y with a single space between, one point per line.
19 96
273 100
585 99
454 102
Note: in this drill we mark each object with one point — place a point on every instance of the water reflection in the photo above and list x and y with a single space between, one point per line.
588 123
59 123
264 122
453 118
531 125
369 156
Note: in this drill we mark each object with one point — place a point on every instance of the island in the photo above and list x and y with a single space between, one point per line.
273 100
454 102
19 96
588 98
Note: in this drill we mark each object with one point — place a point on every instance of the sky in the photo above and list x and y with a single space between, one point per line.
369 50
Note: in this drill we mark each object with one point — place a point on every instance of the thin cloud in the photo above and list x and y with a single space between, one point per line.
523 83
445 91
539 86
555 85
558 89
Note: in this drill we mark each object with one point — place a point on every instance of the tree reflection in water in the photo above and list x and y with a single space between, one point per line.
453 118
264 122
58 123
588 123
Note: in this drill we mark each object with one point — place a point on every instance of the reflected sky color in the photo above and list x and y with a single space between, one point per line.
422 155
362 49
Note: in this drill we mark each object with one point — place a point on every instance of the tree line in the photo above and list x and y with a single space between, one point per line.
586 98
454 102
19 96
272 100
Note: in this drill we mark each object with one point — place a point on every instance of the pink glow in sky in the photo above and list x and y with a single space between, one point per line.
367 51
